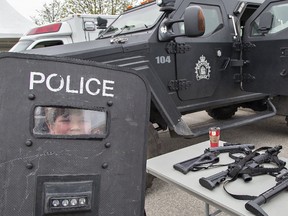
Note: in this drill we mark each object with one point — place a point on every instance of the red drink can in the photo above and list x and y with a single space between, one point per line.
214 135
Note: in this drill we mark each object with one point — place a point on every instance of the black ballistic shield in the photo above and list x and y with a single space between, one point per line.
99 171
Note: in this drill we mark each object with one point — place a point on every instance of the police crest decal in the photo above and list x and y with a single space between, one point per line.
202 69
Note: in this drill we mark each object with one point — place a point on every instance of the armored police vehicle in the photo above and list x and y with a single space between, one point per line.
239 59
241 54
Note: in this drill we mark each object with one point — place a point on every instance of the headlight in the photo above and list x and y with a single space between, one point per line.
159 2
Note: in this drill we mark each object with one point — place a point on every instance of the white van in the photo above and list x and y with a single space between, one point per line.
75 28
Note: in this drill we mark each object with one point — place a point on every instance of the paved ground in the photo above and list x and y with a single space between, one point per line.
163 199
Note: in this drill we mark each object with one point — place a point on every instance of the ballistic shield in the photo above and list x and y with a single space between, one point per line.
73 137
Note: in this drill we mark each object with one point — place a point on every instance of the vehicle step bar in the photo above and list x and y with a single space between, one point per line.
235 122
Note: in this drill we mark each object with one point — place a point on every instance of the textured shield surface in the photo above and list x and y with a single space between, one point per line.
83 174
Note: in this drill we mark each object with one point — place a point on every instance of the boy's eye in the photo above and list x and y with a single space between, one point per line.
65 119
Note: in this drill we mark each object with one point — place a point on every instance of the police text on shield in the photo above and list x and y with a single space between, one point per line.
104 88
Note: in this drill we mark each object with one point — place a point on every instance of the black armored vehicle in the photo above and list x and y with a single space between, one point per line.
199 55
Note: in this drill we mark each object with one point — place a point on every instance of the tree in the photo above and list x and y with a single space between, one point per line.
61 8
51 12
98 6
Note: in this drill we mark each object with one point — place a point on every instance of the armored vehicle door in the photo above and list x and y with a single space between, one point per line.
266 49
200 60
73 138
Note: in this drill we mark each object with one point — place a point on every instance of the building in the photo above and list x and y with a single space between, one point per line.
12 25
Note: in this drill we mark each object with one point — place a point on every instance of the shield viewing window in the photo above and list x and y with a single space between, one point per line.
66 122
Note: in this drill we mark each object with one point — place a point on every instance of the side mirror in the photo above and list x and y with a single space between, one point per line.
265 23
194 23
101 23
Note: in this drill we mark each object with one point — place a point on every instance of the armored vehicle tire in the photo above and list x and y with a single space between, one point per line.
222 113
153 150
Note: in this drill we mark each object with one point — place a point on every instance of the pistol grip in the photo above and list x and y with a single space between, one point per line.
212 181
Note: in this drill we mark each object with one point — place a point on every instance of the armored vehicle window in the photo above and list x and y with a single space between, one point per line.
213 19
279 20
60 121
134 20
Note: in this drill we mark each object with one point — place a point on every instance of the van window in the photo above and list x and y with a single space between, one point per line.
48 44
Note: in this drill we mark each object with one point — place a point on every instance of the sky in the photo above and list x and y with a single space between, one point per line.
28 7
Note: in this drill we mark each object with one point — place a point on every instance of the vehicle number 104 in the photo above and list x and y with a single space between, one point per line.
163 59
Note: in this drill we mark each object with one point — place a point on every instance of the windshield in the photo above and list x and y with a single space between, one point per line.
135 20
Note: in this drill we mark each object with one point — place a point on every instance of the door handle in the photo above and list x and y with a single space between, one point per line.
283 73
225 64
284 51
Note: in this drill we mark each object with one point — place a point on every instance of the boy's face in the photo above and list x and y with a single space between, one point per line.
71 124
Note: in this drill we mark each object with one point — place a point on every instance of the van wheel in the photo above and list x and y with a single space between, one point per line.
222 113
153 150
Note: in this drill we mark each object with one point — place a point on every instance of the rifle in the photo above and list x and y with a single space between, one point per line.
210 156
246 168
282 184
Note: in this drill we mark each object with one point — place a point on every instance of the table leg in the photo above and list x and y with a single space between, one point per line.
207 211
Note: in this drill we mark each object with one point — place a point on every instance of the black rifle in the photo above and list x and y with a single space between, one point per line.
247 167
282 184
210 156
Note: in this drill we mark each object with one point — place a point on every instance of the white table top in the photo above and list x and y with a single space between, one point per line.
162 167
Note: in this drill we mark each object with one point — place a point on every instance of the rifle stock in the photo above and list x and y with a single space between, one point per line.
254 206
190 164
